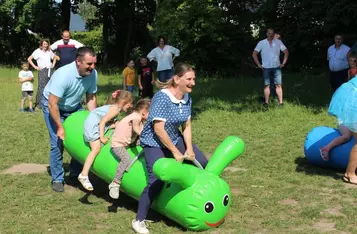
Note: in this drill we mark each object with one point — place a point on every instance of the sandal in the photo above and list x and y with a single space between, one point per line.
348 180
324 154
85 182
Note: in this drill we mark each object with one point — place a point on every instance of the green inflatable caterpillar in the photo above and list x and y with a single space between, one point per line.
194 198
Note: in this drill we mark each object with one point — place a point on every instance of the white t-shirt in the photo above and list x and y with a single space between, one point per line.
163 57
28 85
43 58
270 52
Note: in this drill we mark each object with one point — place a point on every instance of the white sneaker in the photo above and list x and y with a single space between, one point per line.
139 226
114 190
85 182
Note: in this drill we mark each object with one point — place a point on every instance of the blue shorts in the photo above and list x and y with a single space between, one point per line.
272 74
131 88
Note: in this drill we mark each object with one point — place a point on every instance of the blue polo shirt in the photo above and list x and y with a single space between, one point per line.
165 107
70 87
338 60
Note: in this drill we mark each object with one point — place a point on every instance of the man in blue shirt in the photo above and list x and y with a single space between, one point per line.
61 98
337 55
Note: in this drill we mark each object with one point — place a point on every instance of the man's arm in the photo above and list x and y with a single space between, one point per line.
55 114
286 56
91 101
256 59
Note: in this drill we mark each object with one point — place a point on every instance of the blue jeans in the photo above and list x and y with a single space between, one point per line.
131 88
272 74
165 75
56 153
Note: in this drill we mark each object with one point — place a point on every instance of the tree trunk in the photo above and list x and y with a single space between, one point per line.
121 25
105 35
129 32
66 13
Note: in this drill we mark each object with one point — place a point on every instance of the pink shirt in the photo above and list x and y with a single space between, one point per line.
124 133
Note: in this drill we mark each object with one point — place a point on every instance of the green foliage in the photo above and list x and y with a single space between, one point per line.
40 16
92 38
208 36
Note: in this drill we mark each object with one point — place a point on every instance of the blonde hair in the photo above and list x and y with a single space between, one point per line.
48 43
180 70
119 95
142 104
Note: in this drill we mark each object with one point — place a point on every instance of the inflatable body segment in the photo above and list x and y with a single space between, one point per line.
321 136
194 198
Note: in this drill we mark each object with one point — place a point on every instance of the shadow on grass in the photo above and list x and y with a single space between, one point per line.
244 93
303 166
101 191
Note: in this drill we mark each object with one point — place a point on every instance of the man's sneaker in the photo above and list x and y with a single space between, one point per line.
58 186
281 105
85 182
139 226
265 105
114 190
22 110
31 110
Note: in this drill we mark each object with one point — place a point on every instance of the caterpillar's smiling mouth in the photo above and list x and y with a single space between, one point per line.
214 224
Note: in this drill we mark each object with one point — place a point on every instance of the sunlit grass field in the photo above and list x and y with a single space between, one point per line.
274 189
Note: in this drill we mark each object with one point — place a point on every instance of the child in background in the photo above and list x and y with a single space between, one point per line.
129 77
352 72
98 121
146 79
126 132
26 79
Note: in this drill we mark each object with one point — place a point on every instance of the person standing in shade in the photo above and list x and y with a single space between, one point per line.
270 52
337 56
164 55
66 49
61 98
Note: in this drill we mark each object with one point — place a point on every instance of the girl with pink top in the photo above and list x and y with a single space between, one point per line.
127 132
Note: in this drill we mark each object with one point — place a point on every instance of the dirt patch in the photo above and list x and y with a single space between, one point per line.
334 211
325 225
289 202
25 169
235 169
102 226
236 191
350 186
71 190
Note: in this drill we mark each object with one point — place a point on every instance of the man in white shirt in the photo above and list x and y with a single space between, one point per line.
270 52
337 56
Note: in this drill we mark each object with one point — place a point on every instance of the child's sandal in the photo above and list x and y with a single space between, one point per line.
85 182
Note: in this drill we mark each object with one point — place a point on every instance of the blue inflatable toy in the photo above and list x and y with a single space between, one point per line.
321 136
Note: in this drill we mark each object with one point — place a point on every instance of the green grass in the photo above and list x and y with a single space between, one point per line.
274 189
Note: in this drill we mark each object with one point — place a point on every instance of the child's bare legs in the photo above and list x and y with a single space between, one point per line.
350 174
346 135
83 176
30 103
22 104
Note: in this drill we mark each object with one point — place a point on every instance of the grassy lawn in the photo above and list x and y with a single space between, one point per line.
274 189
